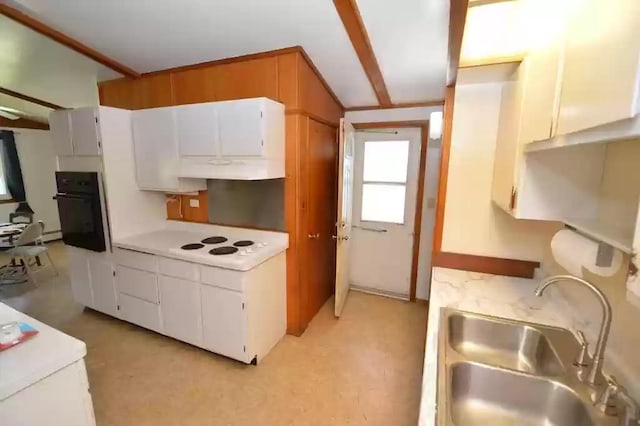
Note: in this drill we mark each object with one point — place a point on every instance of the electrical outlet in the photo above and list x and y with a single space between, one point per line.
194 202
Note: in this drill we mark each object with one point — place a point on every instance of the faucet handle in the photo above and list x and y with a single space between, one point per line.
631 409
607 401
583 357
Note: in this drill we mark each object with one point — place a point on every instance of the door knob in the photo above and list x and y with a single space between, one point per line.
313 236
345 238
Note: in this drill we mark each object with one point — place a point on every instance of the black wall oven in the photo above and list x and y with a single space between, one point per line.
80 210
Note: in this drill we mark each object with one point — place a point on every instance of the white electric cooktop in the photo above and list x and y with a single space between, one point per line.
222 246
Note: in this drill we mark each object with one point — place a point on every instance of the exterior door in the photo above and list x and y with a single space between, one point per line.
345 208
385 188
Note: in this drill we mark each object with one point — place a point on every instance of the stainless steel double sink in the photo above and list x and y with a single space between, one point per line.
498 372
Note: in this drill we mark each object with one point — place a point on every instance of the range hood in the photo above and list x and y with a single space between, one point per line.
231 168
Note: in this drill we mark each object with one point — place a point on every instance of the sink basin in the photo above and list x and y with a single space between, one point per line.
502 372
503 344
482 395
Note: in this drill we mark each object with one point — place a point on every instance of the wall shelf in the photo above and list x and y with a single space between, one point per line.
617 235
612 132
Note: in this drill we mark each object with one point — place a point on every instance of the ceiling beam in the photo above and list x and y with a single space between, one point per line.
23 123
30 99
57 36
437 103
352 21
457 18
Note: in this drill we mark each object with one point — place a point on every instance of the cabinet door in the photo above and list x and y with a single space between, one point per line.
80 277
601 70
60 131
156 148
539 78
241 127
197 127
140 312
181 309
103 286
84 131
507 147
223 322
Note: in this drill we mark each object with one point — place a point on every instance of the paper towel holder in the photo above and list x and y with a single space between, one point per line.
604 255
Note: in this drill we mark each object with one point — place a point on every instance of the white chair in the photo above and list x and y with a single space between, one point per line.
27 247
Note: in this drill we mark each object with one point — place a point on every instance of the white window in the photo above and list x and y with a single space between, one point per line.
384 181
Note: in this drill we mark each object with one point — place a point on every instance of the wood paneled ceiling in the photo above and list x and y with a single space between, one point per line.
406 38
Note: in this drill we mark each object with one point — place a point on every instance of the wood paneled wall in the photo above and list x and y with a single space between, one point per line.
286 75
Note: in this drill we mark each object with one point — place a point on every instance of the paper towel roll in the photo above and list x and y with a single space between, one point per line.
572 251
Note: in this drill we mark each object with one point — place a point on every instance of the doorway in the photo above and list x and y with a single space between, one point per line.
386 181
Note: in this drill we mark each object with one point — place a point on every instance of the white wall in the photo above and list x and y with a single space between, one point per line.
431 182
393 114
473 224
38 163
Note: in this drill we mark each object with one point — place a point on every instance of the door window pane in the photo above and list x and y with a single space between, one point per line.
383 203
386 161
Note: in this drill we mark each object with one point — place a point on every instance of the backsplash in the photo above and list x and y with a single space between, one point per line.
255 203
189 208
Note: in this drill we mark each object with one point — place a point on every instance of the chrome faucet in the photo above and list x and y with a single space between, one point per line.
594 376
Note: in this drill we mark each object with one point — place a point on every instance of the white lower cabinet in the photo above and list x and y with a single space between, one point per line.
102 285
181 309
80 278
145 314
238 314
223 322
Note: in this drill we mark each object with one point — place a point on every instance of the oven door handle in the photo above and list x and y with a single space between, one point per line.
73 196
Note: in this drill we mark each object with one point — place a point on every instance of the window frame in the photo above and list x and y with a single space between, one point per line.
403 184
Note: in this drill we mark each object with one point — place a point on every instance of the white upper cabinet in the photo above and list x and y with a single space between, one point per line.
156 148
75 131
602 64
60 131
156 153
238 128
197 127
85 132
242 127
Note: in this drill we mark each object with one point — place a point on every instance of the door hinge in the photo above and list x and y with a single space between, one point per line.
244 349
260 114
118 307
96 119
514 198
114 273
262 142
242 305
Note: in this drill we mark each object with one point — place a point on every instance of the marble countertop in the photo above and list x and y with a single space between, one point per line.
32 360
486 294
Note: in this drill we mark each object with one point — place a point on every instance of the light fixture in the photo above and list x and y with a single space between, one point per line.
435 125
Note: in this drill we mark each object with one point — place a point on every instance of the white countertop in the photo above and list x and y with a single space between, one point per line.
167 242
32 360
486 294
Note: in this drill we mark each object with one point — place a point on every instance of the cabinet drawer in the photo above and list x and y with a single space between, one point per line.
135 259
137 283
224 278
178 269
140 312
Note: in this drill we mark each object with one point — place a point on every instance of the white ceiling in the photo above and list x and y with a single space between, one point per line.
410 40
408 36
